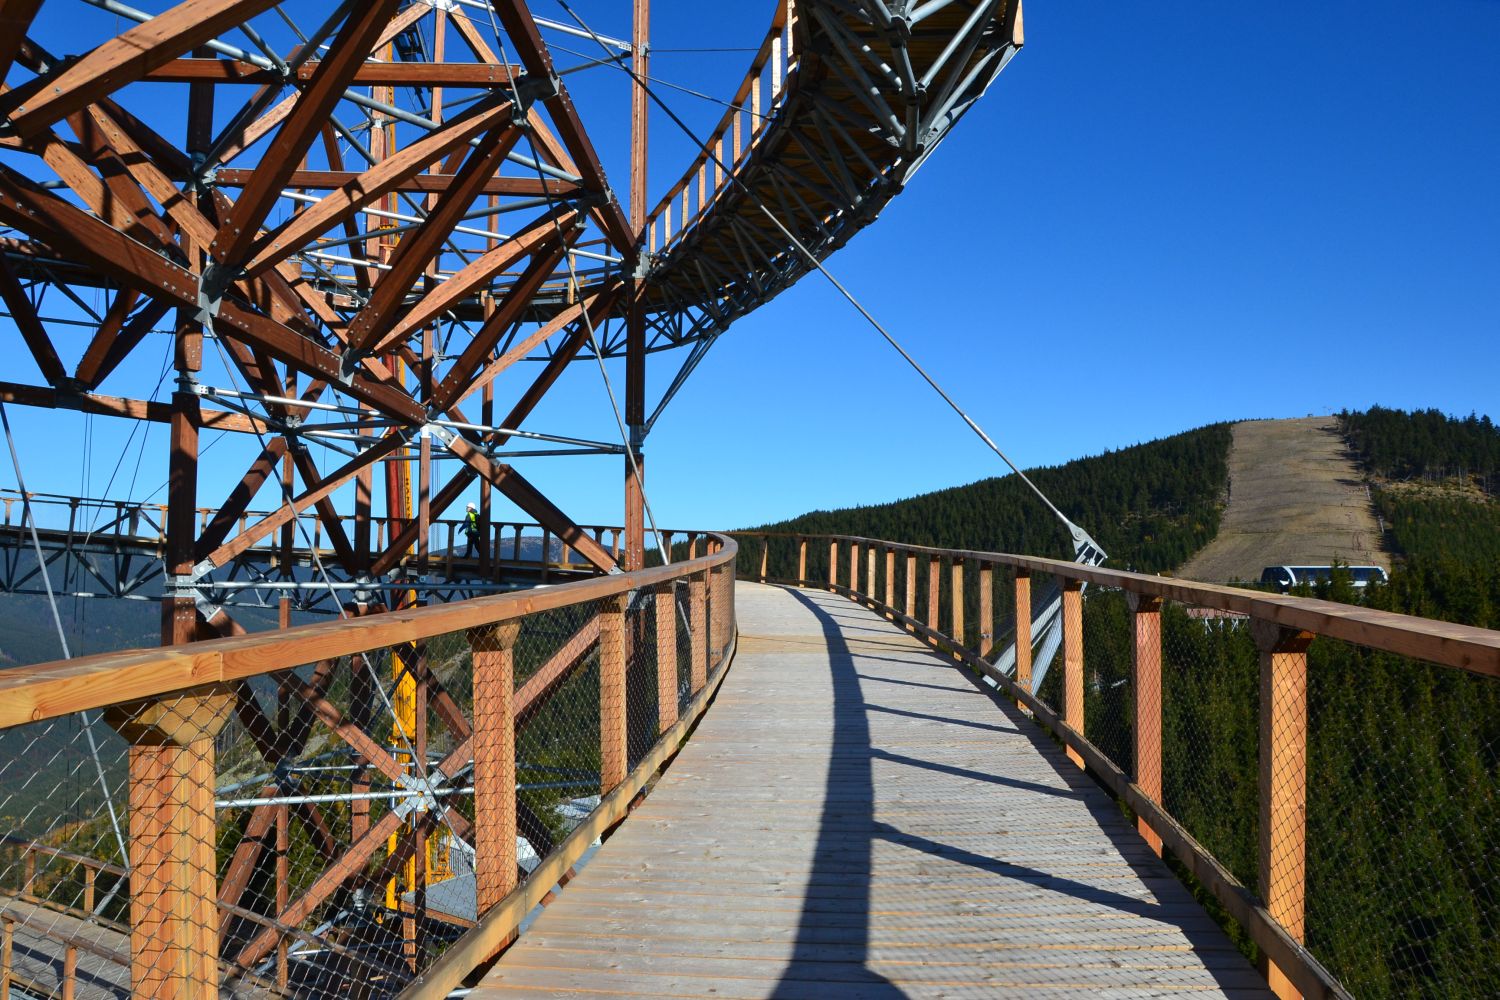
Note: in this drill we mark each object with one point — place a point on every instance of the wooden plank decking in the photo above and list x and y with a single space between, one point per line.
855 818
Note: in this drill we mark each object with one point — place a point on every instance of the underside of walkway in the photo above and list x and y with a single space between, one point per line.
856 818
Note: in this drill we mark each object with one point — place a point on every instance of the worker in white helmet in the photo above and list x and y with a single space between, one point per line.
471 531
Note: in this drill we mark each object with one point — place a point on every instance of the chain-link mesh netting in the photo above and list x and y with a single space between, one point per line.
1393 882
331 829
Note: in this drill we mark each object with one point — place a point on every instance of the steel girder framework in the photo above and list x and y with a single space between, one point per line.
338 222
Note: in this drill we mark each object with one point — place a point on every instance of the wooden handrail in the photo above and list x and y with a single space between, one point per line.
1466 647
62 687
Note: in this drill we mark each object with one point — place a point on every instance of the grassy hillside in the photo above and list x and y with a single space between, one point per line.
1150 506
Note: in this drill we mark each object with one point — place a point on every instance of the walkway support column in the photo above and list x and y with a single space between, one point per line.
1146 614
934 585
802 562
890 579
635 334
612 740
956 612
1023 630
1072 626
666 657
986 608
174 914
911 586
494 761
1283 782
698 620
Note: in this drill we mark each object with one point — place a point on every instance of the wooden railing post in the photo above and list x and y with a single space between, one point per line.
698 618
870 572
765 556
88 888
666 656
957 611
986 608
1023 630
934 583
1283 782
854 567
1146 680
7 944
1072 649
890 578
494 762
802 561
70 972
174 913
911 585
612 752
833 563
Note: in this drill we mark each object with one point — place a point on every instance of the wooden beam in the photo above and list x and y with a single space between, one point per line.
439 183
115 406
494 757
334 73
1146 680
1072 653
1283 785
419 247
698 623
15 21
459 379
388 74
613 755
522 30
666 656
477 274
381 179
123 59
29 324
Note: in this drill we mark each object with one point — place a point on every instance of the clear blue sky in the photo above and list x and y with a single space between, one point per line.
1160 216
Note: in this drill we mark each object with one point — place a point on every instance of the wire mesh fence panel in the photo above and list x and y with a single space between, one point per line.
1108 692
642 713
1210 736
63 859
1403 823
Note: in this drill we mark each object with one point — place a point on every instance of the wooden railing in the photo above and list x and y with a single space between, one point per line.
170 704
930 591
749 115
503 546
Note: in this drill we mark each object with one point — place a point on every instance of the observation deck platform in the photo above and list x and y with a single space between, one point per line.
857 817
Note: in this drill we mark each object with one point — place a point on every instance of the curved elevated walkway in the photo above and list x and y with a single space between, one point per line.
854 818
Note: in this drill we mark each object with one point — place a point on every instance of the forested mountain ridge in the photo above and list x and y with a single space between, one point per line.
1434 479
1150 506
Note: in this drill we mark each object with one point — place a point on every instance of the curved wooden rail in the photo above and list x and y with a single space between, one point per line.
171 704
1474 649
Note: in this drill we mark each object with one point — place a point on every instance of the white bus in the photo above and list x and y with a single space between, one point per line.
1284 578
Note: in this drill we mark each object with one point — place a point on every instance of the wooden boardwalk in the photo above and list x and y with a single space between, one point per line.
855 818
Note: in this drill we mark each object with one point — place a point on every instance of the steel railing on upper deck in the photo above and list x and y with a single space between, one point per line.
1327 776
373 803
